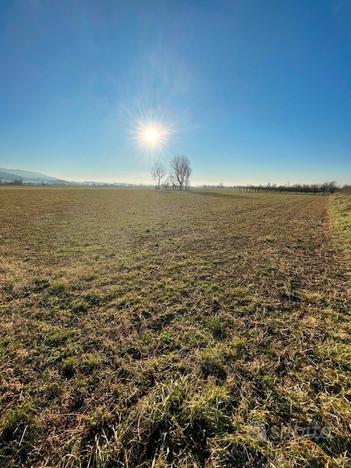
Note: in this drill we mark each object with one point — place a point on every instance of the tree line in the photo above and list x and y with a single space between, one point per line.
178 176
325 188
11 182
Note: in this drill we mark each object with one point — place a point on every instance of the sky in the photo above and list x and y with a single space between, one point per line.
251 91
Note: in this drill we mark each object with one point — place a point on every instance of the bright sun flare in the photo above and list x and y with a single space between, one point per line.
152 131
152 136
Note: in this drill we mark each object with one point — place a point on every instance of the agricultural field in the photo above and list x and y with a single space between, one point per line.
159 328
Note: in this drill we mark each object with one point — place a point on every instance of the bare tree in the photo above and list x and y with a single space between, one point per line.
169 182
158 172
181 171
329 187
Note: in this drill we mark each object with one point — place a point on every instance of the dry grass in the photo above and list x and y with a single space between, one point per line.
340 208
172 329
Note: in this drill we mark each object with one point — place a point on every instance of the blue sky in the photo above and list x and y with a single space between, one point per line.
256 91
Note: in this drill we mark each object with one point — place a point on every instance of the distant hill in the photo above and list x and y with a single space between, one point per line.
10 175
7 177
29 177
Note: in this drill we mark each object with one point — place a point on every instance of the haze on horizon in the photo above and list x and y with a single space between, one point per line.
250 91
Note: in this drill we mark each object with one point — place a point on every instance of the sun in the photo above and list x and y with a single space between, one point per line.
151 136
152 131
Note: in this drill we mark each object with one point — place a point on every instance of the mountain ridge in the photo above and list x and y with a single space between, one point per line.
11 175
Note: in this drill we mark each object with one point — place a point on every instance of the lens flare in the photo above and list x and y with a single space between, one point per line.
152 135
152 131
